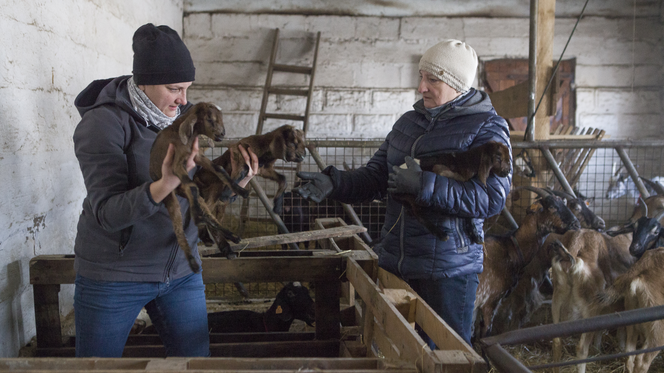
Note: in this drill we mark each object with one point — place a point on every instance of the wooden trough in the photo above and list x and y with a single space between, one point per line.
364 316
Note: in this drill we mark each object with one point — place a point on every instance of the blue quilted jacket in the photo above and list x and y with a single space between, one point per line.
407 248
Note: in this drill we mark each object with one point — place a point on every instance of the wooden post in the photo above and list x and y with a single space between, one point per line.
546 17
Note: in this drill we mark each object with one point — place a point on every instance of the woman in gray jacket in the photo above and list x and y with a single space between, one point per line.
127 256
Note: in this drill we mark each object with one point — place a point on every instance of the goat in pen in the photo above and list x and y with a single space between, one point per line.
505 256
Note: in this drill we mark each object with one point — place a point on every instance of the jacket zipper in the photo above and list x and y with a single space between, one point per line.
169 265
402 226
458 229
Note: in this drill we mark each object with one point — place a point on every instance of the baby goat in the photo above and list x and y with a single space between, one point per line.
481 161
292 302
201 119
285 143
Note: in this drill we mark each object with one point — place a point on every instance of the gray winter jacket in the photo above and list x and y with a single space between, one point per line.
123 235
408 249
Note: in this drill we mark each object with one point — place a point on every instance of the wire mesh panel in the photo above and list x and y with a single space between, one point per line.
605 182
249 217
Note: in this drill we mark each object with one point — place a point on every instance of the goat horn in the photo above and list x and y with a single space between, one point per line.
562 194
539 191
657 187
643 206
659 216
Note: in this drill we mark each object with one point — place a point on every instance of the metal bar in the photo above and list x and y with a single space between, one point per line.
556 170
510 219
348 209
568 328
603 144
268 206
632 172
558 144
529 134
503 360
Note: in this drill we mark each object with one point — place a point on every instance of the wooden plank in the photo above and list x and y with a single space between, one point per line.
316 348
58 269
518 136
255 242
405 339
443 336
270 269
154 339
285 363
328 311
47 315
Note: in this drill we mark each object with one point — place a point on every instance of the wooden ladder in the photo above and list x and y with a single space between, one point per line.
269 89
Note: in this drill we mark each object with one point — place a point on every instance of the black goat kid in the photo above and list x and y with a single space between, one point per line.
292 302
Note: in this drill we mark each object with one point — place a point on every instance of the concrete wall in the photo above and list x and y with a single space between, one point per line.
367 67
50 51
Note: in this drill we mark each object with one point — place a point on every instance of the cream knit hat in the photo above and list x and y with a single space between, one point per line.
452 61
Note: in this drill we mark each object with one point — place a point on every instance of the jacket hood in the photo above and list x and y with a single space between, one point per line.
473 102
111 91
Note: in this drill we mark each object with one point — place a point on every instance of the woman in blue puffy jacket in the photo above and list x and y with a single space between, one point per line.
450 117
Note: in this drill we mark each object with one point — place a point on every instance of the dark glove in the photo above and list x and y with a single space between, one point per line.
319 186
405 180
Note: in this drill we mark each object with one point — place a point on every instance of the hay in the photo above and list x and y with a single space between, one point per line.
541 353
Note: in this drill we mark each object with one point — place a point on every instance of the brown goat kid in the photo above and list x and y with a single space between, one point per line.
285 143
480 161
506 256
201 119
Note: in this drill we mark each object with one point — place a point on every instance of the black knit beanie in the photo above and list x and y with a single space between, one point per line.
160 56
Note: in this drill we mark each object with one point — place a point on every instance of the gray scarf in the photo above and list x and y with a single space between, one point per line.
147 109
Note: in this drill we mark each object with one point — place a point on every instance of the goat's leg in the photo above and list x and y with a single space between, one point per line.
173 207
221 173
582 349
213 223
556 306
630 345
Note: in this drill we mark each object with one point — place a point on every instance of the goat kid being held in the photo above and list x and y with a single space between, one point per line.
181 139
481 161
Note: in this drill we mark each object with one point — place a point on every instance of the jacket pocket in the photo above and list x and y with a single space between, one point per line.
125 235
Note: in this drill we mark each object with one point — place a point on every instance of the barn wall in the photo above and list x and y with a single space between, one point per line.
50 51
367 66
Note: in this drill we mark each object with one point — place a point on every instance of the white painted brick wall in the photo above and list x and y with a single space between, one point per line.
368 64
50 51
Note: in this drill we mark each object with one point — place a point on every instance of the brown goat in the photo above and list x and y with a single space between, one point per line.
201 119
506 256
583 264
651 205
285 143
481 161
516 308
641 286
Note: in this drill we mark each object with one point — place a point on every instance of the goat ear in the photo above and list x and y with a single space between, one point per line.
283 310
187 127
486 163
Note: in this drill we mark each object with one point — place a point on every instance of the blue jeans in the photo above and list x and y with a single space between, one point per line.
452 299
106 311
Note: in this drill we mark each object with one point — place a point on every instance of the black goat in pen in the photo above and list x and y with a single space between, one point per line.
292 302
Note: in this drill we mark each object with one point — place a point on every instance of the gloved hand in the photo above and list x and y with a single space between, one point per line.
319 186
405 180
